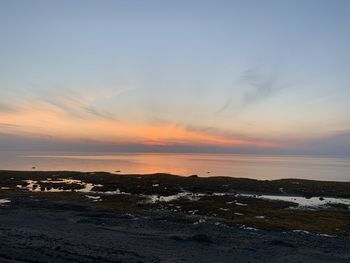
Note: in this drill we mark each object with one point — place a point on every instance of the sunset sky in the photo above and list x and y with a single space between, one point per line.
220 76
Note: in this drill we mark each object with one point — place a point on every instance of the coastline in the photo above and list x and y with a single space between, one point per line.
89 217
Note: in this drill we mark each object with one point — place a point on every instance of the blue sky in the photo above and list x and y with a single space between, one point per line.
230 75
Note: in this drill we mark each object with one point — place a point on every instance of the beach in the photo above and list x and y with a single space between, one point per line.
103 217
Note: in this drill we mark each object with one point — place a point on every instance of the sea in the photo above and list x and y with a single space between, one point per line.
263 167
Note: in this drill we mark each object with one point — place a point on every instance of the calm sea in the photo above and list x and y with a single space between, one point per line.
333 168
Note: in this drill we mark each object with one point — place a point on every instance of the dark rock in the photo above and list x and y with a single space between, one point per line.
281 243
308 196
202 238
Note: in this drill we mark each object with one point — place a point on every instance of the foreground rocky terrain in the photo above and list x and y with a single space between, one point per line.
101 217
50 231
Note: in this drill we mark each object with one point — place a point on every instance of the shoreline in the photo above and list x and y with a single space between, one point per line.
245 166
89 217
208 175
270 185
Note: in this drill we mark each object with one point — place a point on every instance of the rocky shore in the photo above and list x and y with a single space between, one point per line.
102 217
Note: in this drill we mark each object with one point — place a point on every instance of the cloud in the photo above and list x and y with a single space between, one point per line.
5 107
260 86
8 125
336 143
101 114
232 138
225 106
34 143
165 137
256 85
79 103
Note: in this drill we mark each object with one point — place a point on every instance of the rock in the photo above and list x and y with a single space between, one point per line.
308 196
278 242
203 238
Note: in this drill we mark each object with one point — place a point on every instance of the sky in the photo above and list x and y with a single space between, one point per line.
187 75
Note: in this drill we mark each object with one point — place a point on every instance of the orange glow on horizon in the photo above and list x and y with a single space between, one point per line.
54 123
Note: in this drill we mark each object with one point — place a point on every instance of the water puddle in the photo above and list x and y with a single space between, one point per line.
170 198
4 201
35 186
302 201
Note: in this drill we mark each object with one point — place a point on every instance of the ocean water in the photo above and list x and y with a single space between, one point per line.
333 168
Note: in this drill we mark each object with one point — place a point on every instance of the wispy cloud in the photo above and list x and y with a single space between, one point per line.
226 105
101 114
5 107
79 103
259 86
231 138
8 125
255 85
